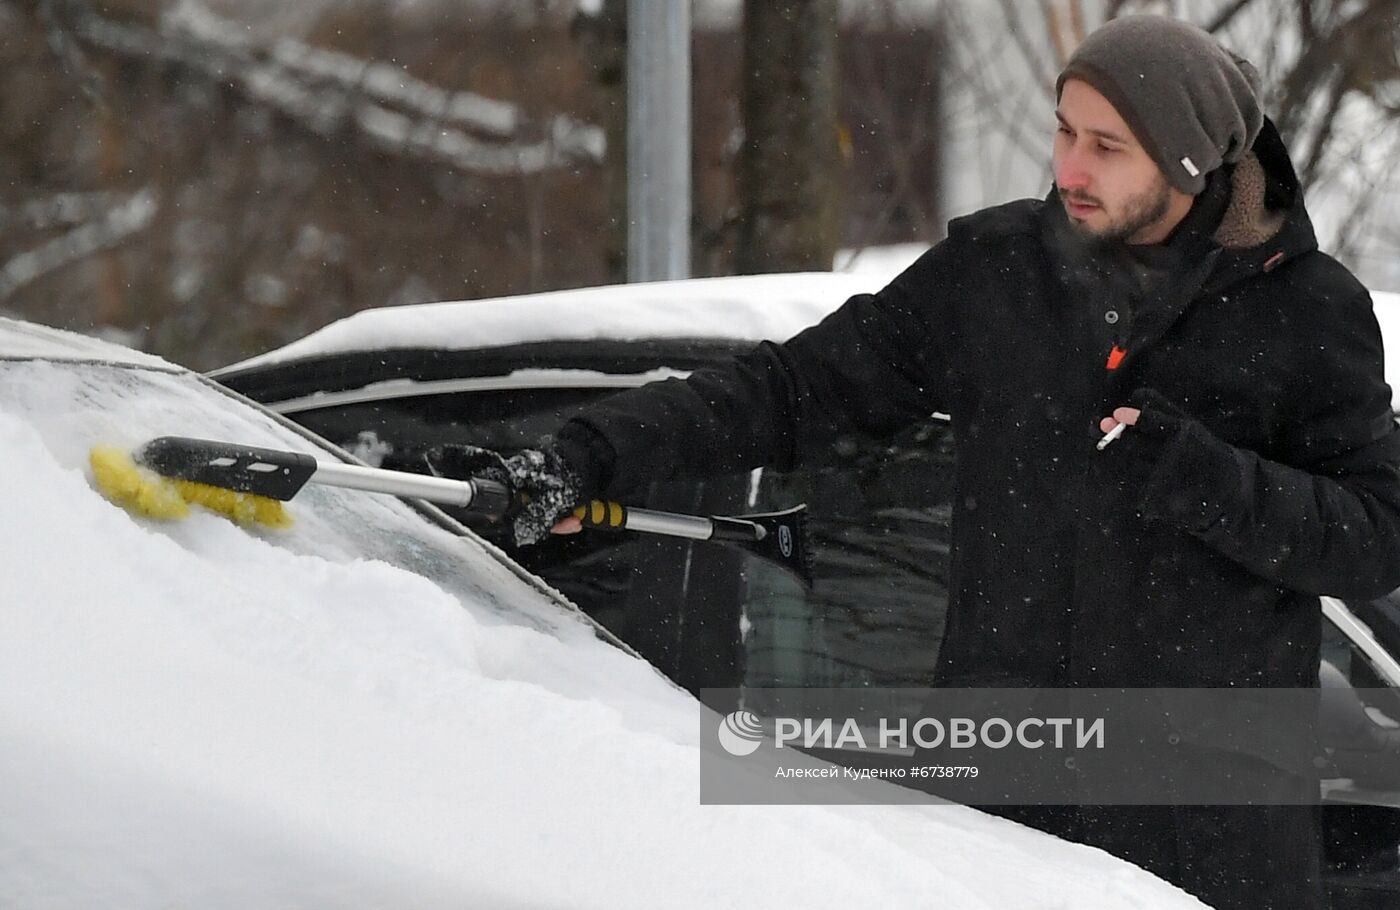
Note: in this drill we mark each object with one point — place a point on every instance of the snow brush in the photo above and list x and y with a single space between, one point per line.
249 485
139 489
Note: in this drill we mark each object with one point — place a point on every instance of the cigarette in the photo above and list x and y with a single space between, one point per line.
1112 435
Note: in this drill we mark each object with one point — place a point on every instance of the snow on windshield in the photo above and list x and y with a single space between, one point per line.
193 714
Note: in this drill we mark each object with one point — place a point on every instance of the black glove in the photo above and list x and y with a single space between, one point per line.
1160 418
543 486
1160 429
1191 469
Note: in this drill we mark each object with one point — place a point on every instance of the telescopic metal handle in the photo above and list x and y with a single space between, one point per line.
486 497
280 475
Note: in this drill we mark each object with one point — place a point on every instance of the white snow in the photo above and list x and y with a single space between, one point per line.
749 308
28 339
514 380
1387 308
880 263
367 711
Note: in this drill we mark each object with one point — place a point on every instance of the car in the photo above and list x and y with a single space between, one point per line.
374 708
392 383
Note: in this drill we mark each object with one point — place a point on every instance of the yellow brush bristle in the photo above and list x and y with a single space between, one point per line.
244 508
145 492
134 488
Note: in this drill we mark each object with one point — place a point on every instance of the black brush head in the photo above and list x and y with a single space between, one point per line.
230 466
786 541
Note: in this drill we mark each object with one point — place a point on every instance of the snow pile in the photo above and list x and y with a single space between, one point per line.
196 715
747 308
28 339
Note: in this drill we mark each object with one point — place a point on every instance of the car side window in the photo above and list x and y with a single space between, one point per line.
396 431
880 519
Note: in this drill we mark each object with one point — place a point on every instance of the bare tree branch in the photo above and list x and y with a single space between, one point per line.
1307 22
898 152
1360 226
58 210
972 73
1340 42
1227 15
1056 28
54 15
327 92
105 232
1076 21
1323 135
1044 77
1114 8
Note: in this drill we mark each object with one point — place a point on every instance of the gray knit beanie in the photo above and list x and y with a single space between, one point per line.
1190 102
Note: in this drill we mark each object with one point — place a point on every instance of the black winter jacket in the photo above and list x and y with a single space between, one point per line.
1193 559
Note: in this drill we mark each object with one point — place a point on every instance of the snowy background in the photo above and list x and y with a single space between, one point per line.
212 179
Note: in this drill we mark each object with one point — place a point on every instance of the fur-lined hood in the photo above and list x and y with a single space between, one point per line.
1248 222
1266 223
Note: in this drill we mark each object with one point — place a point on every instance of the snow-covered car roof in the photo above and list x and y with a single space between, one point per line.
29 340
745 308
369 710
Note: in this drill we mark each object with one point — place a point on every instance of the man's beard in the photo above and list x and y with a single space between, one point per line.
1139 212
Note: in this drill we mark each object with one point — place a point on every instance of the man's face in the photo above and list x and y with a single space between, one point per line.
1111 188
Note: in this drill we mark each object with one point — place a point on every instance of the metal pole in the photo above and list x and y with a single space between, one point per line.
658 139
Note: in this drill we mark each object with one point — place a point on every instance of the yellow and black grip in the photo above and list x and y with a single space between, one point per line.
602 514
781 537
614 516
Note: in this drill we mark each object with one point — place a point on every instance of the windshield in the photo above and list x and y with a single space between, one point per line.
75 406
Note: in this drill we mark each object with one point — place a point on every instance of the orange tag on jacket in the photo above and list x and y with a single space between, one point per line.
1115 357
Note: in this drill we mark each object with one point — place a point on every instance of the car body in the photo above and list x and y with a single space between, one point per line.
373 708
501 373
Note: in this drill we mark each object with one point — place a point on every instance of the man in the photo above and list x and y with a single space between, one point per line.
1170 282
